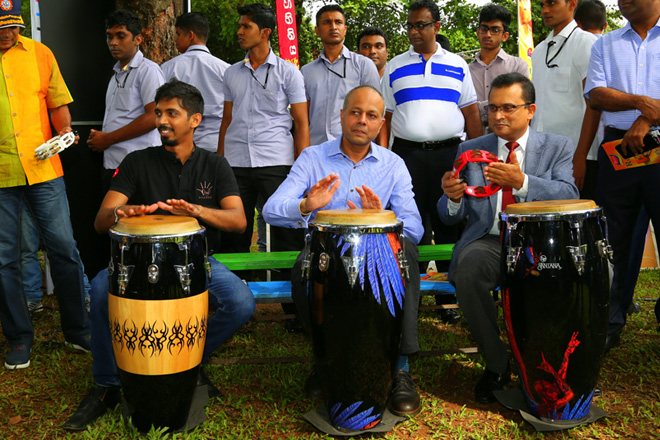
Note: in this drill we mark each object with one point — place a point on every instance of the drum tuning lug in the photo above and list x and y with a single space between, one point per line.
512 257
403 264
124 276
183 245
153 273
307 257
207 266
111 268
578 253
184 272
605 249
352 266
324 261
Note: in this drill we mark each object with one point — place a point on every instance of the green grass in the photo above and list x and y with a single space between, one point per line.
265 401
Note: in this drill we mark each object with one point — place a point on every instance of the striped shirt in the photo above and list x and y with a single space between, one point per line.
426 97
621 60
31 85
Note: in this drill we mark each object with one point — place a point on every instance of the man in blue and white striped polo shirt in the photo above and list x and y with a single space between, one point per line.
622 82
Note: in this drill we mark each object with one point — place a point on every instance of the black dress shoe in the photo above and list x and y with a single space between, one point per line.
450 316
489 382
404 398
94 405
203 379
293 325
313 386
598 392
612 341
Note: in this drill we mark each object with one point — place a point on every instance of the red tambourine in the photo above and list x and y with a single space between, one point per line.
477 156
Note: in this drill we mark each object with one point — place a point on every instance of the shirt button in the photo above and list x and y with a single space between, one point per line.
18 134
639 83
7 76
14 114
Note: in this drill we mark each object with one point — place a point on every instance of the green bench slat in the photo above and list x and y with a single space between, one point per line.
286 259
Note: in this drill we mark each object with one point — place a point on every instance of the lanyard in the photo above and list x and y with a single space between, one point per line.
331 70
552 43
255 77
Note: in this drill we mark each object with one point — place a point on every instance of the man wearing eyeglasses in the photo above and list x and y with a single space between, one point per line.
430 105
559 66
332 75
129 123
536 166
492 60
623 82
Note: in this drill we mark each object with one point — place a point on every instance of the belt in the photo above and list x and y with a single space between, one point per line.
616 132
428 145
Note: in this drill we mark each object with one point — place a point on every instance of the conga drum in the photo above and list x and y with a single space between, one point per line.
354 261
556 299
158 309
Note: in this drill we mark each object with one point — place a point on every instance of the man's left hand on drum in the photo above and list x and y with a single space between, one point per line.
369 199
180 207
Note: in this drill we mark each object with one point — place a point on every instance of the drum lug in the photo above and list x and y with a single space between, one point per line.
307 258
184 272
111 268
512 257
124 276
153 273
403 264
207 266
605 249
578 253
352 266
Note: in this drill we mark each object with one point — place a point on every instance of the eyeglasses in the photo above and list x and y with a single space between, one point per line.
419 27
507 109
494 30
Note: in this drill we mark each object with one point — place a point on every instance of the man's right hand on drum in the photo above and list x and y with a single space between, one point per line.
124 211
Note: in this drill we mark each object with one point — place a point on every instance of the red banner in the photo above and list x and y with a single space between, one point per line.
287 30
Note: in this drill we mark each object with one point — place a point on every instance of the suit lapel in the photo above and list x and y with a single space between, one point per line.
533 153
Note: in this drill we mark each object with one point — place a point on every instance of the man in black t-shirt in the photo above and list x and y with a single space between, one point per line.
180 179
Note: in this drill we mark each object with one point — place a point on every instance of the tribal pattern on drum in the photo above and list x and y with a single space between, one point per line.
378 252
347 419
152 338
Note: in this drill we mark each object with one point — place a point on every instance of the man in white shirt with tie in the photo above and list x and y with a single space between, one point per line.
540 168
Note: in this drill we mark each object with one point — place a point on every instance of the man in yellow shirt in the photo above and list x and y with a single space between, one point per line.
31 89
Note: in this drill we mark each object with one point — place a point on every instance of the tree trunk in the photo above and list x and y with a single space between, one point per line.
158 18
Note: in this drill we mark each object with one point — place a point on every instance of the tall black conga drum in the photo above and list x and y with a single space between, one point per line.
556 298
355 292
158 308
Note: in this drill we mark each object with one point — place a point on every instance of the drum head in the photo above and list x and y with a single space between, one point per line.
157 225
551 207
356 217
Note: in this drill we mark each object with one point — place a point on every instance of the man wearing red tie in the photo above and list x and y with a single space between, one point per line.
535 166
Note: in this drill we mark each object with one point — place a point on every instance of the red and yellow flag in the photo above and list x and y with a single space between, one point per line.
287 30
525 39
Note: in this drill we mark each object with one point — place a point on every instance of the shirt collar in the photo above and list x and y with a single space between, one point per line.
628 27
270 59
172 157
564 32
501 54
198 47
134 63
522 142
438 51
335 149
345 53
24 43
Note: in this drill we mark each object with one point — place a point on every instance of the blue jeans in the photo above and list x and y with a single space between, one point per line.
30 268
48 203
231 296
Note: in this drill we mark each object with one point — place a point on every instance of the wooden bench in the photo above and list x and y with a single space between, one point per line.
280 291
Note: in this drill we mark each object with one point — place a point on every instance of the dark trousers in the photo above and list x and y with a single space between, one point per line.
588 190
252 183
622 194
409 340
478 271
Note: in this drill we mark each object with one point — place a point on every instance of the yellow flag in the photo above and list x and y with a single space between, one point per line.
525 39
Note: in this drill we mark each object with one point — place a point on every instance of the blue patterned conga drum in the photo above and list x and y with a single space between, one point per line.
354 260
158 309
556 300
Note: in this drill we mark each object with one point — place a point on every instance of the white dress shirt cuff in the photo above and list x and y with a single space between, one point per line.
521 193
453 207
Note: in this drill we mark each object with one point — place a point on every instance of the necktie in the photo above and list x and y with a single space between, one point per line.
507 191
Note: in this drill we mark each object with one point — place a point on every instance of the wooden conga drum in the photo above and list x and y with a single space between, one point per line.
556 299
355 293
158 309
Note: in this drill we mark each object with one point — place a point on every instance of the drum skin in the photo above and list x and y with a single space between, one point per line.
556 317
158 326
356 333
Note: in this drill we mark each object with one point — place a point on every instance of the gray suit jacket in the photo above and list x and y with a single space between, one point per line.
548 165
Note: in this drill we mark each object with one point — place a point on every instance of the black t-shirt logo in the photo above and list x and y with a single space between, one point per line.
205 190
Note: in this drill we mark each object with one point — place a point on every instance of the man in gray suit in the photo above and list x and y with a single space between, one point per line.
539 166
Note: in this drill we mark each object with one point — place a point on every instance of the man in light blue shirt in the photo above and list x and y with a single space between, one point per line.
353 172
329 77
129 122
622 81
255 133
196 66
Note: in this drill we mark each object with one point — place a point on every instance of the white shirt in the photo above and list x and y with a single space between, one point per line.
560 102
519 194
426 97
